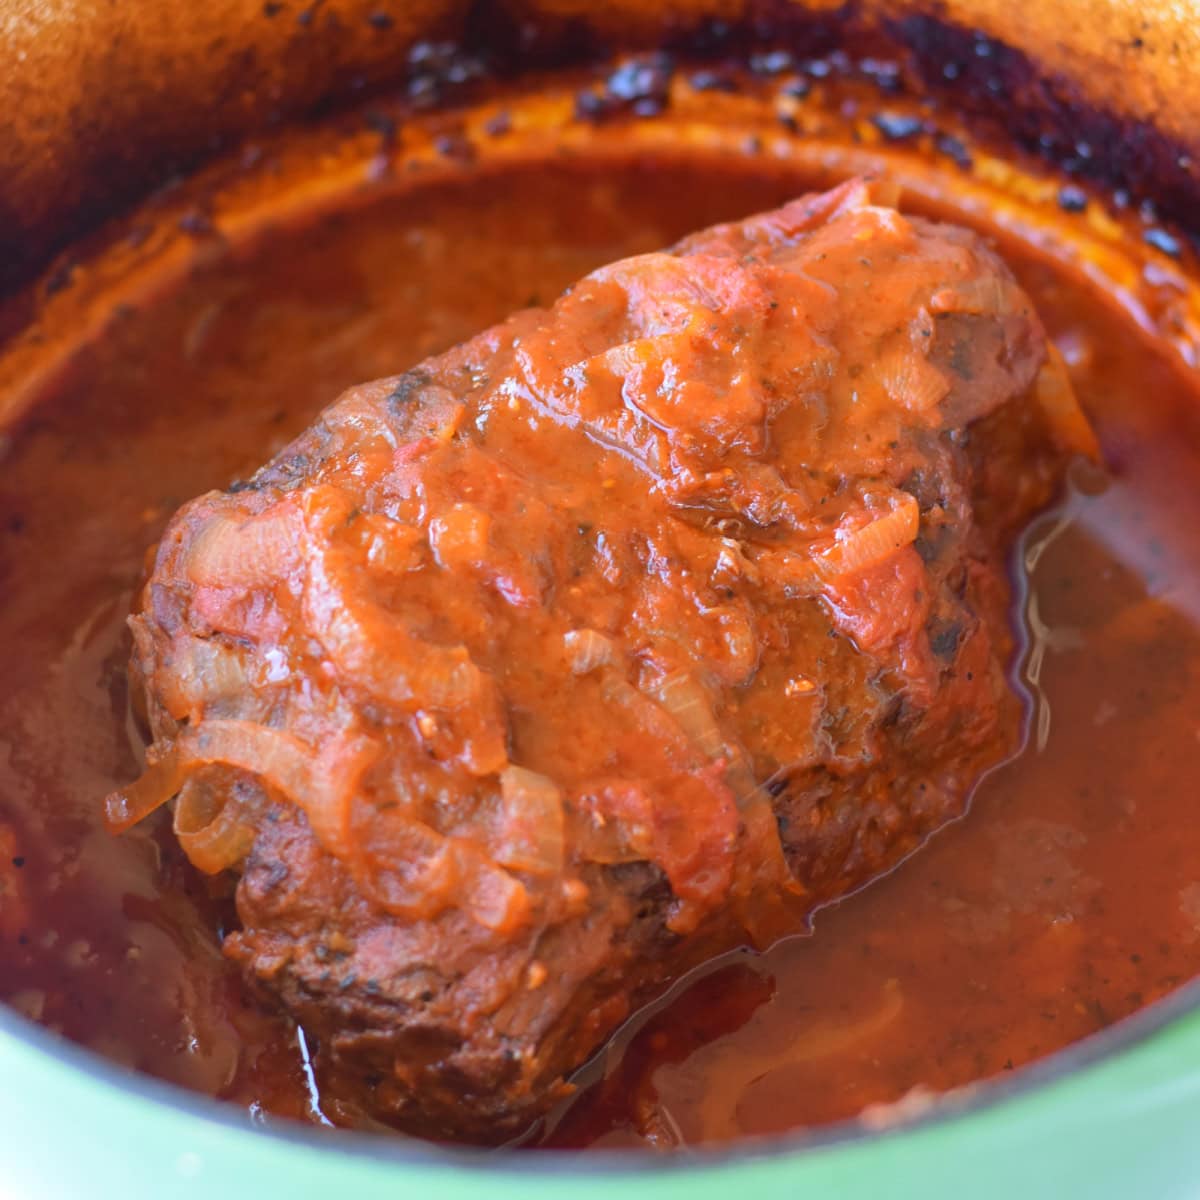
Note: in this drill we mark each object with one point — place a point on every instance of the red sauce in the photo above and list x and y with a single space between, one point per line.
1013 933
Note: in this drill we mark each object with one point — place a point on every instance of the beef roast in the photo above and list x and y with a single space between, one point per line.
623 634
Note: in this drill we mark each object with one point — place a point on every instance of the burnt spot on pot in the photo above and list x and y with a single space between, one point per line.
639 84
498 124
885 73
197 223
1166 243
1072 199
898 127
383 124
1011 98
437 70
954 149
456 147
713 79
60 278
769 63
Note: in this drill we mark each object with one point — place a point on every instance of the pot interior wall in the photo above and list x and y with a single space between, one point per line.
106 102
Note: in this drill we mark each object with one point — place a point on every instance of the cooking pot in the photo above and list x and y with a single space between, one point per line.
105 103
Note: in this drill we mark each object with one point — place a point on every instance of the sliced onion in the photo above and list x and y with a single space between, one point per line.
391 548
161 779
910 379
587 649
609 842
374 651
403 865
483 744
762 879
647 713
532 837
687 700
615 823
201 671
211 826
410 870
460 536
855 549
986 295
741 644
492 896
762 874
320 785
1064 414
369 646
873 543
246 553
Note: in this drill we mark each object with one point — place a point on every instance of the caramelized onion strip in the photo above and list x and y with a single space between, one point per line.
871 544
532 836
1060 405
320 785
251 552
212 827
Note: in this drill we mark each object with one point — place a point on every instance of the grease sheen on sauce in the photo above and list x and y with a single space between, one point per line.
1068 898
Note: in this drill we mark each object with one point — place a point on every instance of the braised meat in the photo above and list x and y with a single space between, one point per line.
627 632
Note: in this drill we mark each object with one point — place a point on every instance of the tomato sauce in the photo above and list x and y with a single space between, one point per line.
1068 898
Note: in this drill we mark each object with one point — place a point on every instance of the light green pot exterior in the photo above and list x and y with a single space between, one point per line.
1125 1126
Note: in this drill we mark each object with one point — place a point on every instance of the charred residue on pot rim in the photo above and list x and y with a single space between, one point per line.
104 107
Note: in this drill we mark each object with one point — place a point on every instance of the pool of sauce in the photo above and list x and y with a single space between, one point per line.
1068 898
